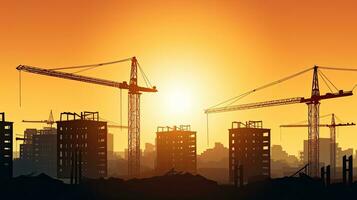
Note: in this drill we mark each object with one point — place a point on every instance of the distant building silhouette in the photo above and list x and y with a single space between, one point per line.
6 132
45 151
176 149
117 165
340 153
26 148
213 163
324 148
282 164
149 156
38 153
277 153
249 146
81 143
217 153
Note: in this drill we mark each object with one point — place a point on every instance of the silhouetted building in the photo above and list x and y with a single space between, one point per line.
216 157
149 156
45 151
26 148
217 153
213 163
81 144
6 132
176 149
249 146
277 153
38 152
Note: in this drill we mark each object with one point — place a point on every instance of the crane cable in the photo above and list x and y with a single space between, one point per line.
354 87
87 67
323 75
91 65
121 109
325 81
20 88
339 69
146 79
236 98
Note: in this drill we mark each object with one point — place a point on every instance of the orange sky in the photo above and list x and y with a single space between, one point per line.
206 50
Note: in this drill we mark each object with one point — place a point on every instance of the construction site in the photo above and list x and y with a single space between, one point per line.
77 147
178 100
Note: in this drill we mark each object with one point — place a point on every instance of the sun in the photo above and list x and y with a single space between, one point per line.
179 101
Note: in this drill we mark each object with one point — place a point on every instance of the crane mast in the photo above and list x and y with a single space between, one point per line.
313 132
134 124
134 92
333 145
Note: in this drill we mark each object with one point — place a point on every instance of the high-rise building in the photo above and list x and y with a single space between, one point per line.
6 132
176 149
81 145
249 147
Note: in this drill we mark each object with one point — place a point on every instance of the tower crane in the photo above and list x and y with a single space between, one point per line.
50 121
134 92
313 103
332 128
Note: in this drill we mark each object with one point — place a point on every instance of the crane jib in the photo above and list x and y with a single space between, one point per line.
71 76
279 102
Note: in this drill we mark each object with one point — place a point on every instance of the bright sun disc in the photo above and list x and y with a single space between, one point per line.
179 102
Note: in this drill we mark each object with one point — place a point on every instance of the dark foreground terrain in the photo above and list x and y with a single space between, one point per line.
175 186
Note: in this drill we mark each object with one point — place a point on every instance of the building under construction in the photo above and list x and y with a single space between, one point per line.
6 132
81 145
39 151
176 149
249 148
26 148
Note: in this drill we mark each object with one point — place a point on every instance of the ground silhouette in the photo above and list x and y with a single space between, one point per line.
171 186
